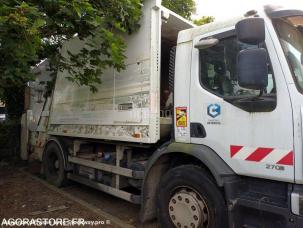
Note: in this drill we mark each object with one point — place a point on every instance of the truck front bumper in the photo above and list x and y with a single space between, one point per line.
297 202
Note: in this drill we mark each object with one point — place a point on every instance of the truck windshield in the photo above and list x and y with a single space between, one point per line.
290 32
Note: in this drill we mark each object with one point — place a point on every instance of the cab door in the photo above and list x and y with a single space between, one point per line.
253 134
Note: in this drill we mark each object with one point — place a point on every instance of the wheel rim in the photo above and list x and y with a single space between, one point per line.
187 209
53 164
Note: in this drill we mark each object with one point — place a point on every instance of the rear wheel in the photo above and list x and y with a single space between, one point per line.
188 198
53 165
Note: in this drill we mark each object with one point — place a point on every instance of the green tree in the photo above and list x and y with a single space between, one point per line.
204 20
185 8
33 30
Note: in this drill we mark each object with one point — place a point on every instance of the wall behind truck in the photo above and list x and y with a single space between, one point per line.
125 108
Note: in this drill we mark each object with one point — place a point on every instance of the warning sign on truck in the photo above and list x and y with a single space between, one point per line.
181 117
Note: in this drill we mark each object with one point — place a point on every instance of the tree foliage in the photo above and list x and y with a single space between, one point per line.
33 30
185 8
204 20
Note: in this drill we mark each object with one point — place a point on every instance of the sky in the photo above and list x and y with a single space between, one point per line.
224 9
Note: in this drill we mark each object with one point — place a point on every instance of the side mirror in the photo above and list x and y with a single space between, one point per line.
206 43
252 69
251 30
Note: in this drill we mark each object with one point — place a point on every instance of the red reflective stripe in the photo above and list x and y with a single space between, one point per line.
234 150
259 154
287 160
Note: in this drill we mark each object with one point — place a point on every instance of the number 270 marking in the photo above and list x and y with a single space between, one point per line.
275 167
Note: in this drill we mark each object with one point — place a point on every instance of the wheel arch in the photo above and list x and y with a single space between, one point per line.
63 149
165 158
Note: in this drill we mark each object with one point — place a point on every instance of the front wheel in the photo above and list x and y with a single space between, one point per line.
188 198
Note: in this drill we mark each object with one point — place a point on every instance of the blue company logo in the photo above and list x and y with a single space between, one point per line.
214 110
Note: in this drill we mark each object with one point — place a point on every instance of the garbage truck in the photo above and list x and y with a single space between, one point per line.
204 127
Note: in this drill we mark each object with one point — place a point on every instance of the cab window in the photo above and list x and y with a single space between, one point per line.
218 72
218 69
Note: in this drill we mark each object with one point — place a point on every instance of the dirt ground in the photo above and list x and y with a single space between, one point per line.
23 192
21 196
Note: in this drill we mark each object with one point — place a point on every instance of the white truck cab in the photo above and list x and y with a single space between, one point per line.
253 122
227 153
256 130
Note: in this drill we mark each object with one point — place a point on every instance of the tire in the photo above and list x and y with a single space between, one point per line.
53 165
188 191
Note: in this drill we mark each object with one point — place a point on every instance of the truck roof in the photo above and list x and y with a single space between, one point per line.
189 34
166 12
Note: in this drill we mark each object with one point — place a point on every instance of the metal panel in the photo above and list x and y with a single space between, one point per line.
108 168
103 115
182 89
127 104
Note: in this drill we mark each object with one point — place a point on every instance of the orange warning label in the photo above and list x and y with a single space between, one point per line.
181 117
